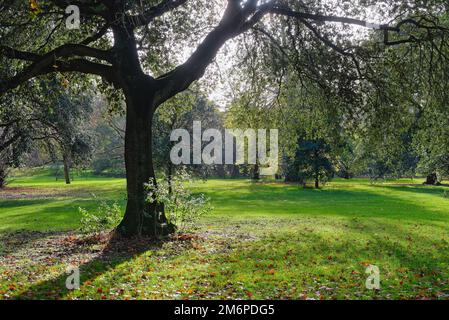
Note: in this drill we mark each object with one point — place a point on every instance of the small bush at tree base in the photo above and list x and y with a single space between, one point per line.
105 217
182 208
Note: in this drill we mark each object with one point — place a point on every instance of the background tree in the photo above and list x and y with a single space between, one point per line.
252 109
109 143
400 129
19 125
180 113
67 120
313 161
45 116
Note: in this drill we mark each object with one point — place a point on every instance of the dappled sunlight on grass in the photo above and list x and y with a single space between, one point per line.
263 240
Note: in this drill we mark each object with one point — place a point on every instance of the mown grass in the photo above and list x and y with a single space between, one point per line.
263 240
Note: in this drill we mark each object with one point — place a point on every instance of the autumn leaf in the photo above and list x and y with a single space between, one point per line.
365 263
34 8
65 83
271 271
34 5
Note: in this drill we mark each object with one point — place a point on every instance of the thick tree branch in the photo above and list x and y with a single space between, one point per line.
333 46
259 13
154 12
236 20
418 23
9 142
96 36
66 50
47 64
329 18
50 62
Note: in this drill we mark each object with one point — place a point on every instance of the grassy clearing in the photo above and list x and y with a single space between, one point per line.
263 240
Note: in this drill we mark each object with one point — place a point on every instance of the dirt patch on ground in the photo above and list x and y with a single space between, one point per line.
43 249
47 248
15 193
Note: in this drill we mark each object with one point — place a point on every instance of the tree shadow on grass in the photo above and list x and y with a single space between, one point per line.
116 251
387 236
318 258
406 242
13 242
417 188
388 245
43 214
369 203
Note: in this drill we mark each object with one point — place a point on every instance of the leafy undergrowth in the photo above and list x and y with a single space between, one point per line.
257 258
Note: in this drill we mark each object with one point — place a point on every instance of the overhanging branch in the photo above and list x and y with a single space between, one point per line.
418 23
235 21
154 12
47 64
66 50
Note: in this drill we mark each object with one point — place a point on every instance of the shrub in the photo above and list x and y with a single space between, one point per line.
105 217
182 208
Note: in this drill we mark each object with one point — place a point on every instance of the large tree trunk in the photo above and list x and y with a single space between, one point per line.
235 171
432 179
66 169
221 171
141 218
256 172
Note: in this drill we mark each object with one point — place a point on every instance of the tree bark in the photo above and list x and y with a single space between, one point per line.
141 218
3 176
317 182
432 179
256 172
235 172
65 159
169 177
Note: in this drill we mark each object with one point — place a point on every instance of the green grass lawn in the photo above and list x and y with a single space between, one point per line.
263 240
